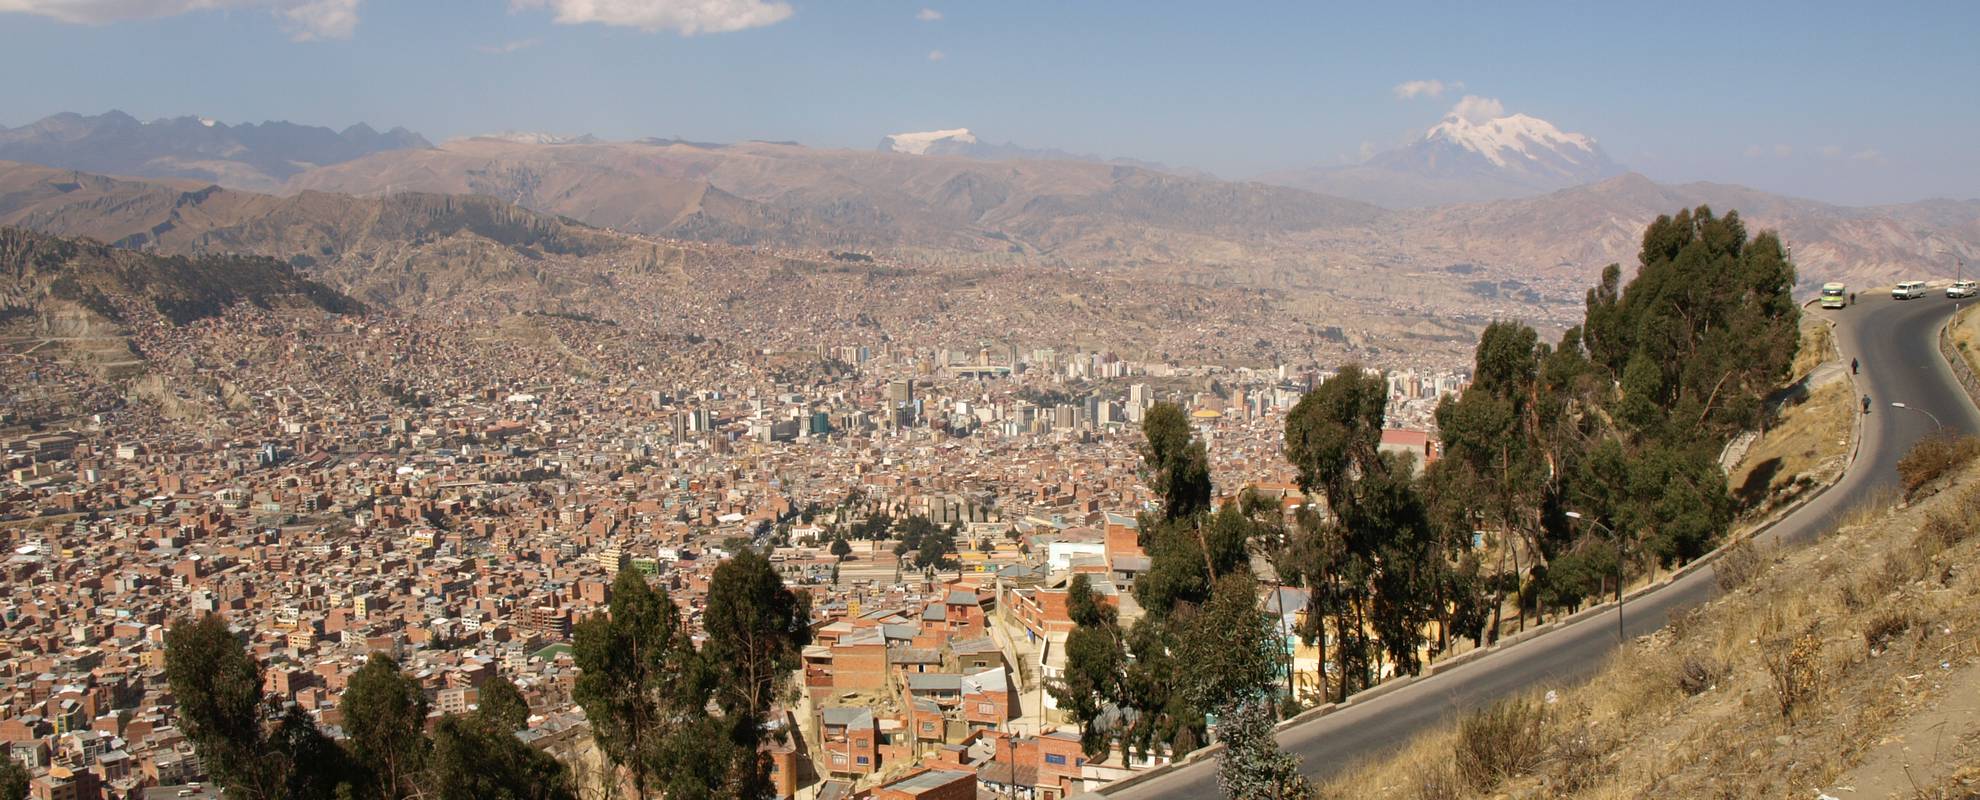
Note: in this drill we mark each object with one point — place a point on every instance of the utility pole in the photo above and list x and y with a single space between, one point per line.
1285 638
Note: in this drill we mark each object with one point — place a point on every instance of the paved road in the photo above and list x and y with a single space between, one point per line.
1897 345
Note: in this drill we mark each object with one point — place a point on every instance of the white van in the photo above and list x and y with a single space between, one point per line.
1908 290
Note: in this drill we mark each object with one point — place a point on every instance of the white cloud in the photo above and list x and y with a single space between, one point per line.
685 17
305 20
1476 109
928 15
1409 90
506 48
1868 154
937 55
98 12
321 19
1832 151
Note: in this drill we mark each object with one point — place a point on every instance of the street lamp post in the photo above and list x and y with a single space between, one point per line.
1935 417
1620 637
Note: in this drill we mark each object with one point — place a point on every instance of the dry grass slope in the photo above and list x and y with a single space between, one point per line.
1965 332
1809 445
1852 663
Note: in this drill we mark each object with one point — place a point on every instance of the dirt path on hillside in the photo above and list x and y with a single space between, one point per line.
1926 750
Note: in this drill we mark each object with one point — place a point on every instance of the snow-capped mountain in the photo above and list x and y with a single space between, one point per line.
956 141
537 137
1517 146
962 142
1462 160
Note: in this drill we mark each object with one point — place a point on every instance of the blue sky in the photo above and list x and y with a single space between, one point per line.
1831 101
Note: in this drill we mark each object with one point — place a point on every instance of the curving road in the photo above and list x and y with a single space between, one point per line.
1897 345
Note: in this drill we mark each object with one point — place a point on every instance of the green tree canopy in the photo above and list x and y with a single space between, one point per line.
217 685
385 719
500 703
1334 432
1174 462
247 747
1095 659
476 758
13 780
1228 649
1084 606
756 628
640 680
1706 329
1253 767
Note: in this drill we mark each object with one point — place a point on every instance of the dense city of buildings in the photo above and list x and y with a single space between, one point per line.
459 494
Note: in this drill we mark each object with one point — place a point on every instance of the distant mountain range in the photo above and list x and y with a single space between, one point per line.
1465 161
964 143
766 193
406 249
258 156
1084 212
945 196
1575 231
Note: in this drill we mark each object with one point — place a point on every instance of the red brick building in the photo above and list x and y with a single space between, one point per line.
848 741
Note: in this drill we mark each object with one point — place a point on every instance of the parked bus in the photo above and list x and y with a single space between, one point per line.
1834 295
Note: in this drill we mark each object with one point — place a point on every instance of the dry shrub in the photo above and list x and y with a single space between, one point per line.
1438 782
1934 456
1892 570
1738 565
1828 568
1686 624
1883 628
1500 742
1944 530
1895 569
1870 508
1580 761
1793 670
1699 672
1855 597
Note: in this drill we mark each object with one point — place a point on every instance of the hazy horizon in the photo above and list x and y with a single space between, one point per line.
1824 103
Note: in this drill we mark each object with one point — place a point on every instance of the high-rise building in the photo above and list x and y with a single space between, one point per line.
1110 414
612 558
901 401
